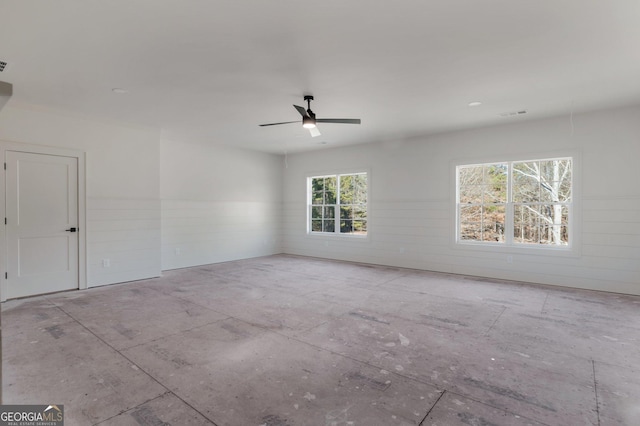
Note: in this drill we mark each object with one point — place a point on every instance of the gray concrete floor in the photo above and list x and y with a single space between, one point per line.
287 340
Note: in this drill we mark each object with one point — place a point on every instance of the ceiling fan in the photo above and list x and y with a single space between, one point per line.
309 119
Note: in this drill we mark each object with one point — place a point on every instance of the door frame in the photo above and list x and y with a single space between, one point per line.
82 211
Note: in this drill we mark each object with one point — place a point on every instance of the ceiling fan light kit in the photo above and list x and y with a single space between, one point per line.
309 118
308 122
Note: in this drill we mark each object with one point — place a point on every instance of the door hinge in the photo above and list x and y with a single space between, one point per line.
6 275
5 166
5 220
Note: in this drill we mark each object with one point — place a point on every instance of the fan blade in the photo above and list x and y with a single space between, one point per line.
338 120
275 124
314 132
302 111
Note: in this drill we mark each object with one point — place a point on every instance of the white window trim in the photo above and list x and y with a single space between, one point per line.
573 249
329 173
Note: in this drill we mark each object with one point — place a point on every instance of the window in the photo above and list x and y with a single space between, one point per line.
338 204
521 203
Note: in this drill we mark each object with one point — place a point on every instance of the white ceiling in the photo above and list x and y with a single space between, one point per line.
211 71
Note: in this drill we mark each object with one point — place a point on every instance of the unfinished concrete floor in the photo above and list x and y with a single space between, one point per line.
287 340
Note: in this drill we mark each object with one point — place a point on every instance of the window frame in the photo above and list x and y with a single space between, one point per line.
572 249
309 207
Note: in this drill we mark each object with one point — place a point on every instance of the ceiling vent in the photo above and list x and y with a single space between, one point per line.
513 113
3 65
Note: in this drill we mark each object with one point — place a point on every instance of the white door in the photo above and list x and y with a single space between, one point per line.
42 222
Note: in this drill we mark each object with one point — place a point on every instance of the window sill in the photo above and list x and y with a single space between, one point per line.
336 235
529 250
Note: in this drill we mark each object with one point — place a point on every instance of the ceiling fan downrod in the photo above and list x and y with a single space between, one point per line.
309 98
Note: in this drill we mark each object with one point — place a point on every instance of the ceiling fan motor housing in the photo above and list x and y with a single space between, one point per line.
309 122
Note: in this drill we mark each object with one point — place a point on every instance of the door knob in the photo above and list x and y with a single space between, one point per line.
71 230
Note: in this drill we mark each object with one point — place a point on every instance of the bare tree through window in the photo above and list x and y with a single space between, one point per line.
525 202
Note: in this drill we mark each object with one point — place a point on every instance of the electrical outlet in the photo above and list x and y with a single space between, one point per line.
178 251
509 259
106 263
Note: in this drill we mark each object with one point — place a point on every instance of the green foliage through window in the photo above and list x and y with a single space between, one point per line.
338 204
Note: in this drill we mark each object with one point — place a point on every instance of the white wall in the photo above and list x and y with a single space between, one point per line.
155 204
412 195
218 204
122 186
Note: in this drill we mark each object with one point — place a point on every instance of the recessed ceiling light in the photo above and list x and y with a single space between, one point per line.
475 104
119 90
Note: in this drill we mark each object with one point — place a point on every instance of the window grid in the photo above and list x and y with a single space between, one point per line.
520 203
338 204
